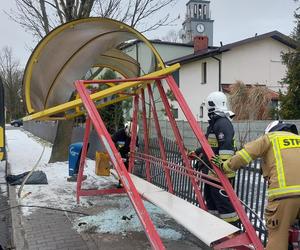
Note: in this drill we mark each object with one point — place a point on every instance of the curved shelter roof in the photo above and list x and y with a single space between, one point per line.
70 50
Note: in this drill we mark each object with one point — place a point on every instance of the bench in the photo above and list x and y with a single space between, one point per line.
203 225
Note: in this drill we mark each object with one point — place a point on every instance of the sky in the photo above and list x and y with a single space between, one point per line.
234 20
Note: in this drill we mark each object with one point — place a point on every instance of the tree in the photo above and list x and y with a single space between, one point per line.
11 75
40 17
112 115
250 102
290 101
172 36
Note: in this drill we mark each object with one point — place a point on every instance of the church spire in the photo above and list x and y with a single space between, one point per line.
197 21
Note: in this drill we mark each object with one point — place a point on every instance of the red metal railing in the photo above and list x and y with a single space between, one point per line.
116 159
196 178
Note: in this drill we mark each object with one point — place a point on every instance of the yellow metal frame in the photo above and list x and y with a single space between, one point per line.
110 84
35 55
99 106
101 94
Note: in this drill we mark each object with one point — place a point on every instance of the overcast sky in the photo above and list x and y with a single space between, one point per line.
234 20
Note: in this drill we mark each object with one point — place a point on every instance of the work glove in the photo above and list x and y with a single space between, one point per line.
222 165
191 155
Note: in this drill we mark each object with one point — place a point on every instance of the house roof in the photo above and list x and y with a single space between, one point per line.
276 35
202 1
157 41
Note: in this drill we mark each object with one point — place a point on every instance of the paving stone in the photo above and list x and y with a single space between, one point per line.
52 230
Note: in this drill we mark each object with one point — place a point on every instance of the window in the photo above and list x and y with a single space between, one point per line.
195 10
175 113
204 73
175 75
201 112
204 11
188 11
200 11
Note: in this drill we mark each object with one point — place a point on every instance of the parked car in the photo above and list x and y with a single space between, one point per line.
17 123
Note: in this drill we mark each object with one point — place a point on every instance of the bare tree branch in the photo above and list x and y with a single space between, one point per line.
135 10
172 36
44 16
40 17
11 75
147 8
59 12
109 8
86 10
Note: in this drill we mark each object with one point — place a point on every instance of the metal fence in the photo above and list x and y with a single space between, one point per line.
249 184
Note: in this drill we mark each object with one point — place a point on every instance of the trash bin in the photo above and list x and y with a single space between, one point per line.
102 164
74 157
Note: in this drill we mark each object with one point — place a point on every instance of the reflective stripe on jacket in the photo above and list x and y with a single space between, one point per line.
220 136
280 152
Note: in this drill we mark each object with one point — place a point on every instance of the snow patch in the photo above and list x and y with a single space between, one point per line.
24 150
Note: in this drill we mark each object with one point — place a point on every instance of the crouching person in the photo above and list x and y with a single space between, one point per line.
122 139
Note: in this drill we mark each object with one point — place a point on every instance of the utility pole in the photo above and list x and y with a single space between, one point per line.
2 123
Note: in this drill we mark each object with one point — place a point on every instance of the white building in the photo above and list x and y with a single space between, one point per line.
256 60
167 50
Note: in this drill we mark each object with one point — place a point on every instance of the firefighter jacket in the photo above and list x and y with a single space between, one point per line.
220 136
122 142
280 152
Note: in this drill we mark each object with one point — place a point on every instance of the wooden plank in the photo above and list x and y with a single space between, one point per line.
203 225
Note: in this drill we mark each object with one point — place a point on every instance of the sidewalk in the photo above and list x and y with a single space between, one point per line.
110 222
5 223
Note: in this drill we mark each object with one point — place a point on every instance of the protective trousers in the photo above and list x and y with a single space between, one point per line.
219 204
280 215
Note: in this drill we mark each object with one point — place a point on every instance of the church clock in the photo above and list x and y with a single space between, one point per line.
200 28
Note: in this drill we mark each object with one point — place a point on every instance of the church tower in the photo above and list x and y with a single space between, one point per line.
197 21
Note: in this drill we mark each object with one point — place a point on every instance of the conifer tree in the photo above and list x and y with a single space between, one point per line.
290 101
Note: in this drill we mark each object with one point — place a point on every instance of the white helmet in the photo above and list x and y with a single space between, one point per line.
281 126
271 126
216 102
128 128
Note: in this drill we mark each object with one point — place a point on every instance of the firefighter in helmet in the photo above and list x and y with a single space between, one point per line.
220 136
122 139
279 149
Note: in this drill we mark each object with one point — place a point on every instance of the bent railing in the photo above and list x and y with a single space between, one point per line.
249 183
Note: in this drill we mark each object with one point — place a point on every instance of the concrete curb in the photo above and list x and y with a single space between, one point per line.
18 232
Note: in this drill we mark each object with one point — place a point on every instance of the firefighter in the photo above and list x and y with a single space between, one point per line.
279 149
220 135
122 139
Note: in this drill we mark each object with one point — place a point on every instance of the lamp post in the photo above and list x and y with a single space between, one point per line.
2 122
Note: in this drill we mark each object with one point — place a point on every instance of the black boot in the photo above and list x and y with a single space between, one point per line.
236 223
120 185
